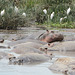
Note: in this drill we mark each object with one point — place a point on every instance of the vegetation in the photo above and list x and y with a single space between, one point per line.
34 13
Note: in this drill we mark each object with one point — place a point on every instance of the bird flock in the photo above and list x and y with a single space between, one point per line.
16 10
61 19
45 12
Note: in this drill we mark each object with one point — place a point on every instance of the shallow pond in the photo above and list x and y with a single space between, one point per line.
38 69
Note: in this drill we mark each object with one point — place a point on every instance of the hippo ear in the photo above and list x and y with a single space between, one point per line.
47 31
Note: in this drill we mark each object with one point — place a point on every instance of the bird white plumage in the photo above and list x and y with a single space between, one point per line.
61 20
68 10
16 9
65 17
45 11
24 14
2 12
52 15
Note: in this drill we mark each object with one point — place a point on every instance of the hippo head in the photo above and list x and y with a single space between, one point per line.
53 38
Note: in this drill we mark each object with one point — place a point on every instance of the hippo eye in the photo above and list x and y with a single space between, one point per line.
48 44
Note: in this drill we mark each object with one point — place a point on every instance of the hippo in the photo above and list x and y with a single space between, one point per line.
2 55
5 55
29 44
62 64
50 37
4 46
29 58
71 72
62 46
48 45
1 41
13 43
25 49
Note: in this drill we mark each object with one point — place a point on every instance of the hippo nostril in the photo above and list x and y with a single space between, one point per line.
9 47
51 54
14 57
46 48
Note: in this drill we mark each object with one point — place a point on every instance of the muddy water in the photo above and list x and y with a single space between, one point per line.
38 69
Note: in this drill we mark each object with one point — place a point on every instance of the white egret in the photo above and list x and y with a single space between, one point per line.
24 14
52 15
65 17
45 11
61 20
16 9
2 12
68 10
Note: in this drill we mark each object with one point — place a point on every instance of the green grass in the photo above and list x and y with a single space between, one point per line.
33 9
58 25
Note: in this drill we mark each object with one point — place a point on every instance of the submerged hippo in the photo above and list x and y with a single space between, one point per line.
49 45
13 43
62 64
29 58
62 46
26 49
3 55
2 40
29 44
